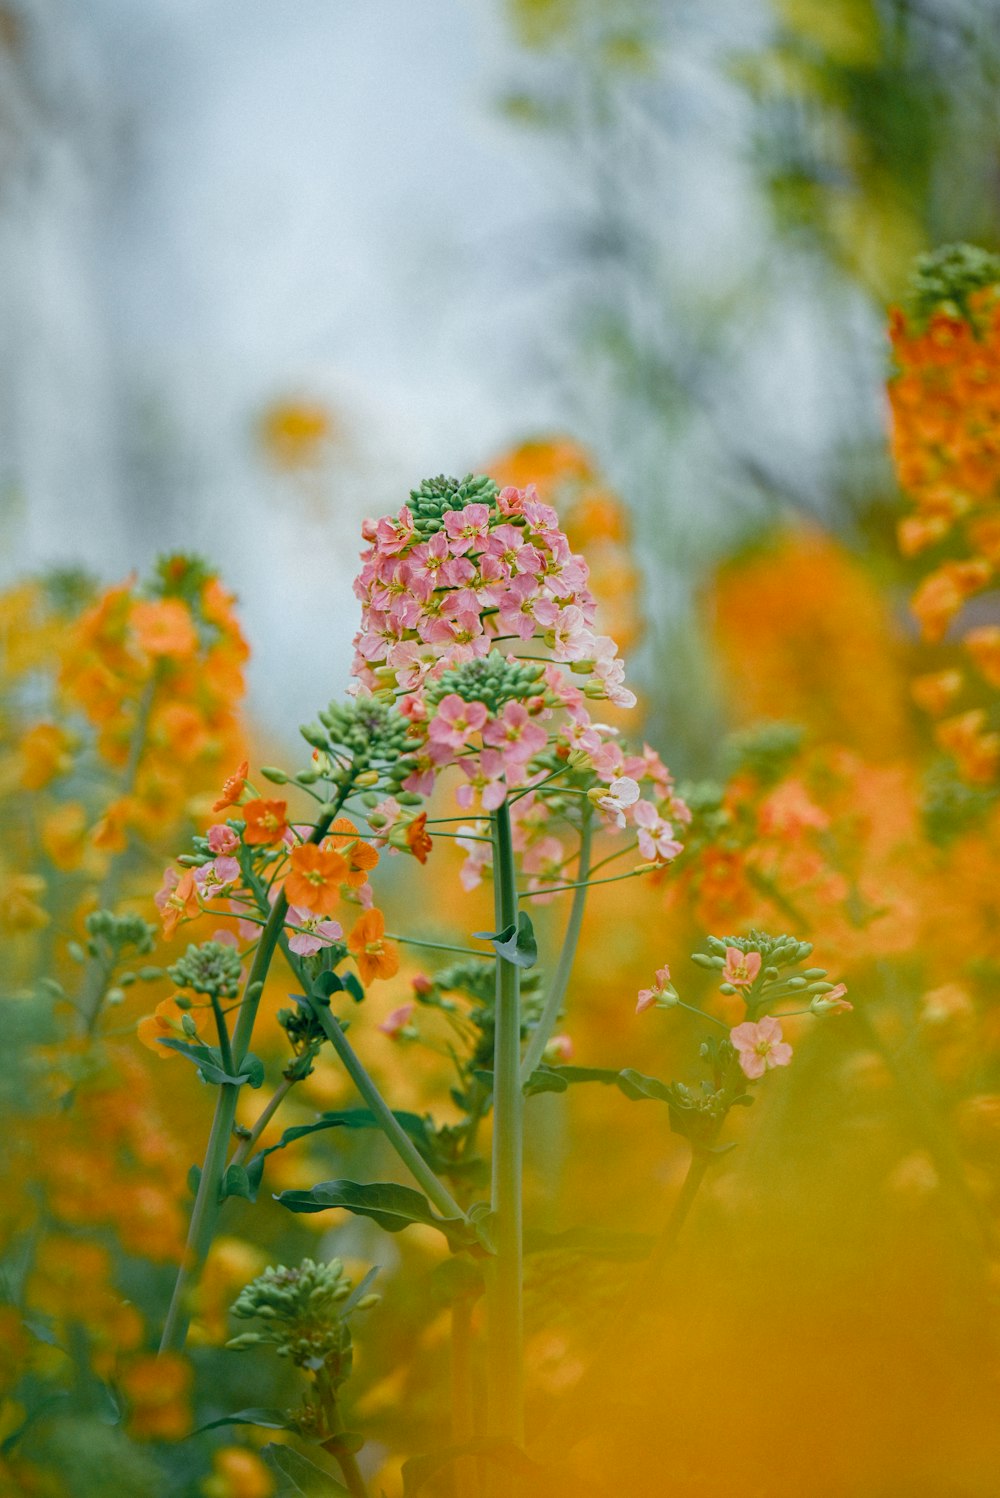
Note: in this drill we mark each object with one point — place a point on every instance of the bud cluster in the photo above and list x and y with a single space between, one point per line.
305 1313
212 968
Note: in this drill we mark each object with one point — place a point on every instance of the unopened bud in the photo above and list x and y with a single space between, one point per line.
366 778
274 775
189 1027
367 1301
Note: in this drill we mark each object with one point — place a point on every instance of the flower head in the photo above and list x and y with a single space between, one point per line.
662 994
741 968
759 1045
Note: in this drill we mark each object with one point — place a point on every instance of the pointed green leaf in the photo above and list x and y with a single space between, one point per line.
266 1419
392 1207
209 1063
302 1477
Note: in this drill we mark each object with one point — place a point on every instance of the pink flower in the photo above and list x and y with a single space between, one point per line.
622 793
222 839
485 776
466 527
218 877
741 967
760 1046
395 1024
314 933
831 1002
479 855
662 995
656 837
453 724
514 734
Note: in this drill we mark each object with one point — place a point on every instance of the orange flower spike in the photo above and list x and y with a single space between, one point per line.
314 879
418 839
233 788
374 957
266 822
164 627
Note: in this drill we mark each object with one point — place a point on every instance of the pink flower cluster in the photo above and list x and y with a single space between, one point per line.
493 579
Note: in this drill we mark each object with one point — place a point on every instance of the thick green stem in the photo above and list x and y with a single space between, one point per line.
542 1033
401 1142
205 1212
463 1418
505 1366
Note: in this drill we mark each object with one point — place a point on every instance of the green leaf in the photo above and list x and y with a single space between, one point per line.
209 1063
353 986
266 1419
326 984
412 1124
638 1087
302 1476
40 1329
360 1290
633 1084
515 943
236 1182
392 1207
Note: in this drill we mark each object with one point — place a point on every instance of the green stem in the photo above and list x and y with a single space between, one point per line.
205 1213
542 1033
557 889
345 1459
505 1370
434 946
463 1419
401 1142
280 1093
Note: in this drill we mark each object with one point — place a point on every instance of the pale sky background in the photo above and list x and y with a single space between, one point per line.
207 204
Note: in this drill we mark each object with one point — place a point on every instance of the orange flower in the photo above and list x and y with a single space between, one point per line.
167 1021
177 900
315 877
43 755
266 821
158 1389
361 856
375 959
164 627
418 839
935 692
942 593
64 835
233 788
238 1473
983 645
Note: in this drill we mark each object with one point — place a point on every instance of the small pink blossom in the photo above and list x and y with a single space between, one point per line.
662 995
218 877
314 933
741 968
222 839
466 527
655 836
514 734
622 793
760 1046
832 1002
395 1024
453 724
479 855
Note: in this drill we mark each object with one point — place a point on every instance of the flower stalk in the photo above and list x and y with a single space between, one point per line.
505 1371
